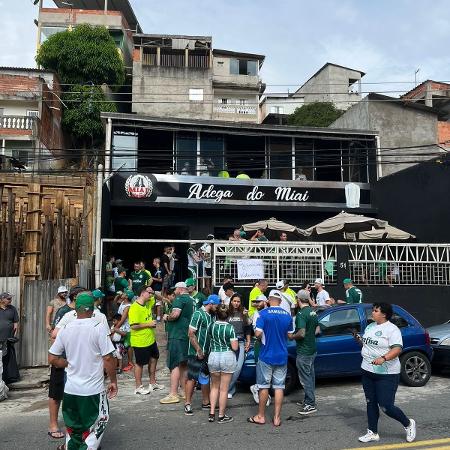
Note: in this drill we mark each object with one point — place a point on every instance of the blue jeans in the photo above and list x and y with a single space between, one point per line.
380 392
268 375
307 377
240 363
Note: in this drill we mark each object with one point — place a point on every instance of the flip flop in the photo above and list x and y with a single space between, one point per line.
274 424
58 434
254 422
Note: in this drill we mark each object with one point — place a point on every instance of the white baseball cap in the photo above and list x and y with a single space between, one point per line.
280 284
180 284
319 281
275 293
260 298
62 289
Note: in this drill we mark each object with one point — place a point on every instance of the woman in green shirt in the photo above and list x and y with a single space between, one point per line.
221 362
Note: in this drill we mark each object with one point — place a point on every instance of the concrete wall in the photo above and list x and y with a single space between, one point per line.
221 73
398 127
165 91
18 108
289 105
331 85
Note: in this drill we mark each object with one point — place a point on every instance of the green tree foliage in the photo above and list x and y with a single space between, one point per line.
82 117
83 54
316 114
84 59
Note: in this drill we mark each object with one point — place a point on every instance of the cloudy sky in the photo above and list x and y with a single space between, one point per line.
387 39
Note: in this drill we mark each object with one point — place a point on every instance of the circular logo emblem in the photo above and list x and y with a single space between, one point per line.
378 333
138 186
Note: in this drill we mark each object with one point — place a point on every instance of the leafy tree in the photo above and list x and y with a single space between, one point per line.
84 58
83 54
316 114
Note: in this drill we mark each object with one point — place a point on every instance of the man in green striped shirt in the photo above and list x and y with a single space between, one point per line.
199 345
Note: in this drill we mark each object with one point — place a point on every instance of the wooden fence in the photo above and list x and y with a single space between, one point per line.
46 224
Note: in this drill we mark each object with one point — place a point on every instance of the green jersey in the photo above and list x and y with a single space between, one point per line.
178 329
353 295
306 319
199 298
201 322
222 333
138 279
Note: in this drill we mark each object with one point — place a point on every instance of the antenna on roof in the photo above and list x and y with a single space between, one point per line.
415 76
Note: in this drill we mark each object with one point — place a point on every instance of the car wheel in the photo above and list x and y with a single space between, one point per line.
415 369
291 378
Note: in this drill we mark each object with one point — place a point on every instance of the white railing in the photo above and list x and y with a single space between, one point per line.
372 264
297 262
17 122
235 109
406 264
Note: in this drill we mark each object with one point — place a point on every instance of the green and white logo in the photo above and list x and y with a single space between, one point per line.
378 333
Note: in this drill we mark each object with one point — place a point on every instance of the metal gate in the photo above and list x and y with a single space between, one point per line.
34 341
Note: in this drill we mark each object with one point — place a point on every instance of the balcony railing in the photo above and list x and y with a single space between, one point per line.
17 122
235 109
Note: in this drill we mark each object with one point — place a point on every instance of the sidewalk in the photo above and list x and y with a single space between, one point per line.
38 377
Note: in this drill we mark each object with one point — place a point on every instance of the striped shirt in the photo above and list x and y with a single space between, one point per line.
222 333
201 322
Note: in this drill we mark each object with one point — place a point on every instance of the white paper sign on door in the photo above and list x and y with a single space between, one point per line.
250 269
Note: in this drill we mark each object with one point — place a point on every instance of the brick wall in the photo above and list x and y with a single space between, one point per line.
14 84
444 133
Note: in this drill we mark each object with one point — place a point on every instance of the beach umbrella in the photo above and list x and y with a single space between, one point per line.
346 223
388 232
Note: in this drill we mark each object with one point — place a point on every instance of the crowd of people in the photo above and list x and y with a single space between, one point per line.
207 340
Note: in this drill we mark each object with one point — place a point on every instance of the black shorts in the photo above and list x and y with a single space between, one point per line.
56 385
144 354
195 366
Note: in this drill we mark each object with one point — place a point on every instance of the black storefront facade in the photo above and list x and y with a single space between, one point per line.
168 184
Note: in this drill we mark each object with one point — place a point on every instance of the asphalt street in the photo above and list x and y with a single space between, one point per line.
141 422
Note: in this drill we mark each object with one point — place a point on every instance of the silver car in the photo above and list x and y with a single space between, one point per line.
440 341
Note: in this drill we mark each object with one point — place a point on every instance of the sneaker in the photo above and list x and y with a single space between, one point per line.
230 396
181 395
225 419
411 430
188 410
155 387
370 436
171 398
254 391
300 404
141 390
207 406
307 409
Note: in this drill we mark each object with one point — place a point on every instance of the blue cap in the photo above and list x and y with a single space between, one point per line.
212 300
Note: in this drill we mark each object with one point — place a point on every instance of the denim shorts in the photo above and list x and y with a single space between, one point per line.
222 362
268 375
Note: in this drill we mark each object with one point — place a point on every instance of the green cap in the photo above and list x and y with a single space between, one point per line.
85 301
129 294
97 293
190 282
347 281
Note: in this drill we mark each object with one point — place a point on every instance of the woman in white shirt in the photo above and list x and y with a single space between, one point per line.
381 346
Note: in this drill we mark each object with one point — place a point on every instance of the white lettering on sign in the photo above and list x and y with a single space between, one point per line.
290 195
250 269
255 194
197 191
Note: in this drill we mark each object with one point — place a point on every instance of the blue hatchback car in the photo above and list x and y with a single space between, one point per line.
339 355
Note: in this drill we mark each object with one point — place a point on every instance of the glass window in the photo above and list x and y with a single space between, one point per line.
211 154
186 153
355 160
340 322
124 150
396 319
304 159
252 68
196 95
327 158
32 113
46 32
234 66
280 155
